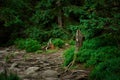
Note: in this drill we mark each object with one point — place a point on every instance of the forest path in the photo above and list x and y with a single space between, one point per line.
32 66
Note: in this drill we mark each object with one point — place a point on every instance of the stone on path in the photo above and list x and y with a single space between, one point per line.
14 65
52 79
39 66
50 74
31 70
1 71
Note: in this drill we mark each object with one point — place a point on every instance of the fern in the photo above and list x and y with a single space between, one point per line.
108 70
68 55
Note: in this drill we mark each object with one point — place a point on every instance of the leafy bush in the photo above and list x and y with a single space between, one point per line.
103 54
32 45
72 29
72 42
33 32
84 55
29 45
20 43
108 70
68 55
93 52
10 76
58 42
57 32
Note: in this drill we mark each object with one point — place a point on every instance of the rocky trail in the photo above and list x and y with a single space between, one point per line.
32 66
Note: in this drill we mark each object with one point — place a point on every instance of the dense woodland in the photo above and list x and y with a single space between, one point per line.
30 24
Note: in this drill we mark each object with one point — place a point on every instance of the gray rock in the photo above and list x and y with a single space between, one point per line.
14 65
25 79
14 70
2 51
46 64
7 49
80 71
2 70
31 70
52 78
47 68
50 73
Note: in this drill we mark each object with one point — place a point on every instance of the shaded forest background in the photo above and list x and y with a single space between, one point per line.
37 21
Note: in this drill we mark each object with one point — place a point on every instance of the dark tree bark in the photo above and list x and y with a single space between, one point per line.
59 14
60 19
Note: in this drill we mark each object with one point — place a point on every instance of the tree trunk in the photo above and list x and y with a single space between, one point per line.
60 18
79 40
59 14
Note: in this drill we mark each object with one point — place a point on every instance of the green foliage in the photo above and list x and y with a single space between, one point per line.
57 32
33 33
98 49
98 20
58 42
84 55
103 54
51 51
68 55
72 42
10 76
32 45
39 51
107 70
20 43
29 45
72 29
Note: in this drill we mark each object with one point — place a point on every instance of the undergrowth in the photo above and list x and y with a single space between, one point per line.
10 76
29 45
102 53
58 42
107 70
68 55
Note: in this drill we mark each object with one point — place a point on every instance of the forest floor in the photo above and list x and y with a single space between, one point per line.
42 66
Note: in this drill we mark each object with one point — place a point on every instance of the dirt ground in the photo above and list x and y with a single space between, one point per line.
42 66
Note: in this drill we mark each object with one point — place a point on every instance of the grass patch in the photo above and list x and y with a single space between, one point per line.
51 51
11 76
